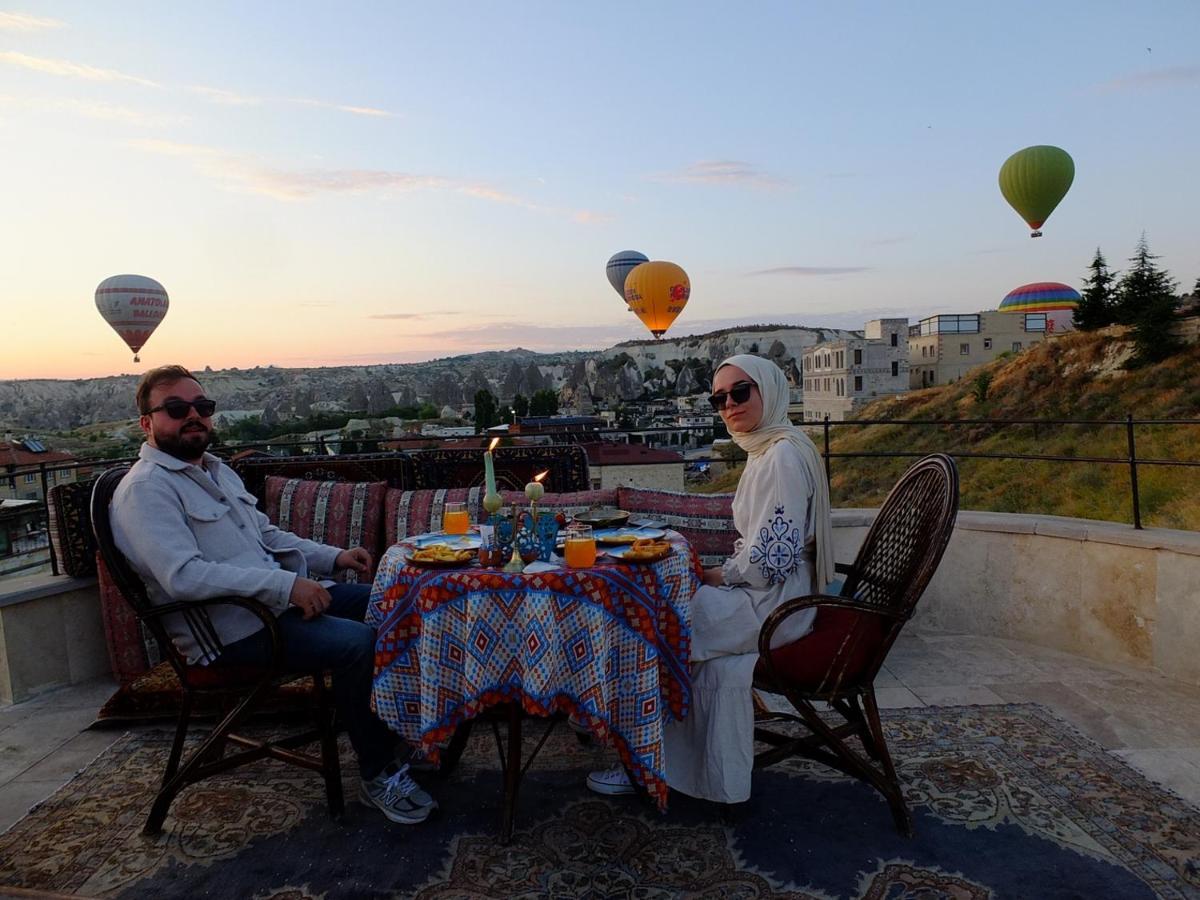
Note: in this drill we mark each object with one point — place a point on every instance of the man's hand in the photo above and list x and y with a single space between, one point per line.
714 577
357 559
310 597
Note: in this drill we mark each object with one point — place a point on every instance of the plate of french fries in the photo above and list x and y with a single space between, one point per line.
642 550
440 556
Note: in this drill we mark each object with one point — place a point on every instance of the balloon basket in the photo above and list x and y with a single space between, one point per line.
1034 234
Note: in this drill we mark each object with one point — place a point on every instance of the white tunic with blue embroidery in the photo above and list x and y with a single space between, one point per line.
710 754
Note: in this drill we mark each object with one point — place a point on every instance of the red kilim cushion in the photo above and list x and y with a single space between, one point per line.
836 652
706 520
339 513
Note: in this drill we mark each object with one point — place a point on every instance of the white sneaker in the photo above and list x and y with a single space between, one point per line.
610 782
398 797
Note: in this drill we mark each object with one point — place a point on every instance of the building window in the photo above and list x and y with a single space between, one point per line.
895 368
826 386
858 357
30 478
1035 321
964 349
895 339
987 343
1016 346
857 383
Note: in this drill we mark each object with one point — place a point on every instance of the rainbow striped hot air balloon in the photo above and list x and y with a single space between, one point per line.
1056 300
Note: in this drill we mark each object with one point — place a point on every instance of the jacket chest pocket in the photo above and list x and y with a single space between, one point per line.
208 520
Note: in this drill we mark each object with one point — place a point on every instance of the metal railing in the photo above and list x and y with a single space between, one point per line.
1130 459
47 473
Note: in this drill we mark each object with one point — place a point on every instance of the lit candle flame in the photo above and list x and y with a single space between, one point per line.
538 477
492 445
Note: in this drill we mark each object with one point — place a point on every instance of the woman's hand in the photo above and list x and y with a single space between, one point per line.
713 577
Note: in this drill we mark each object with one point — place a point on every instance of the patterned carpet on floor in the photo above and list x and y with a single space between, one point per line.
1008 801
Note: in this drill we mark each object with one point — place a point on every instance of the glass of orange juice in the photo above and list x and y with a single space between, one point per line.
454 518
579 547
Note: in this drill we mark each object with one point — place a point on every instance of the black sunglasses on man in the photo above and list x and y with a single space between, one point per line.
178 409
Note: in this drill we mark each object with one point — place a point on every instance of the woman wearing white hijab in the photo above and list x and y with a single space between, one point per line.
785 550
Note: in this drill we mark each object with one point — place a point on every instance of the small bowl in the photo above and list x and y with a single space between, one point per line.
603 517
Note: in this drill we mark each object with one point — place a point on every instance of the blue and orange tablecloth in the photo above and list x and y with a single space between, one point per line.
609 645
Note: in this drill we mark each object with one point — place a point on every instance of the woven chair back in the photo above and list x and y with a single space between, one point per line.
905 543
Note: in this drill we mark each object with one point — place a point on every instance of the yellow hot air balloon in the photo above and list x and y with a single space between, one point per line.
657 291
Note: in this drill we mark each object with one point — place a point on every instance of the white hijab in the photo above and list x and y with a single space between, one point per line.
775 426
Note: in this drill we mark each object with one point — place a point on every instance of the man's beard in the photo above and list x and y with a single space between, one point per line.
187 445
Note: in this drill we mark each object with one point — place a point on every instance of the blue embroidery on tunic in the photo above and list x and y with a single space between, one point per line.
778 550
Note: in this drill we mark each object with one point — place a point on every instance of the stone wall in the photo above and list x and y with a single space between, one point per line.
1096 589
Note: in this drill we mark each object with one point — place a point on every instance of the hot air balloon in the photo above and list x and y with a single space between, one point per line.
657 291
133 305
1034 180
1057 300
620 265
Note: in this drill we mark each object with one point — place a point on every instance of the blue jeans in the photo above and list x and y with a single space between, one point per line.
338 640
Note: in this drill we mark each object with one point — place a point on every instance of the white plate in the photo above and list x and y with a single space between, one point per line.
619 553
467 541
625 535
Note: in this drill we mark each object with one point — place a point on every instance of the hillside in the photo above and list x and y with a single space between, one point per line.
1074 376
626 372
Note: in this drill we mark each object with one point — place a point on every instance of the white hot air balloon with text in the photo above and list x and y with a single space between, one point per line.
132 305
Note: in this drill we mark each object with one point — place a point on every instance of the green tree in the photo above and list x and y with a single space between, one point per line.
1146 300
981 385
486 412
544 403
1095 308
428 411
520 406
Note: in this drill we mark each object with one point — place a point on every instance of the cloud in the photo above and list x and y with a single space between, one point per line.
107 112
725 172
811 270
343 107
888 241
222 96
68 69
1171 76
414 316
300 184
26 22
590 217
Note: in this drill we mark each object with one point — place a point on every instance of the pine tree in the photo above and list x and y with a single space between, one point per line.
485 410
1146 300
1095 309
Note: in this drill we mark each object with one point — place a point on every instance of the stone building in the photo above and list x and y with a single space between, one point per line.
944 348
841 376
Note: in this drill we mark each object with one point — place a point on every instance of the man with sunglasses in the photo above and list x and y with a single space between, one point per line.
187 525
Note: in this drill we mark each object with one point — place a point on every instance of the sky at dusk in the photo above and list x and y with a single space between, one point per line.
352 183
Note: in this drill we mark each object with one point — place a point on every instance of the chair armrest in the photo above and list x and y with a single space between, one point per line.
195 613
844 568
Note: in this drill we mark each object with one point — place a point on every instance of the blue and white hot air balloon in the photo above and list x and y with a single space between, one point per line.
620 265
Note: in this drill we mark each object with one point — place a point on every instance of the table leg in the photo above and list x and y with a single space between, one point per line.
512 773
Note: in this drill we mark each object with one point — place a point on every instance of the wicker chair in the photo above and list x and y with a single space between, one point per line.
853 632
239 690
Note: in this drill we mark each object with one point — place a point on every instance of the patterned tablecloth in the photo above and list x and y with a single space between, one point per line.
609 645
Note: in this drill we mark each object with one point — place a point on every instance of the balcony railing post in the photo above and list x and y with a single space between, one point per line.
1133 484
828 470
46 517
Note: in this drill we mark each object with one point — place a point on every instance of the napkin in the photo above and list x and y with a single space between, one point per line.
538 566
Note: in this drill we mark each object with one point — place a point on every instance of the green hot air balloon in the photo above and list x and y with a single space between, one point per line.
1034 180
